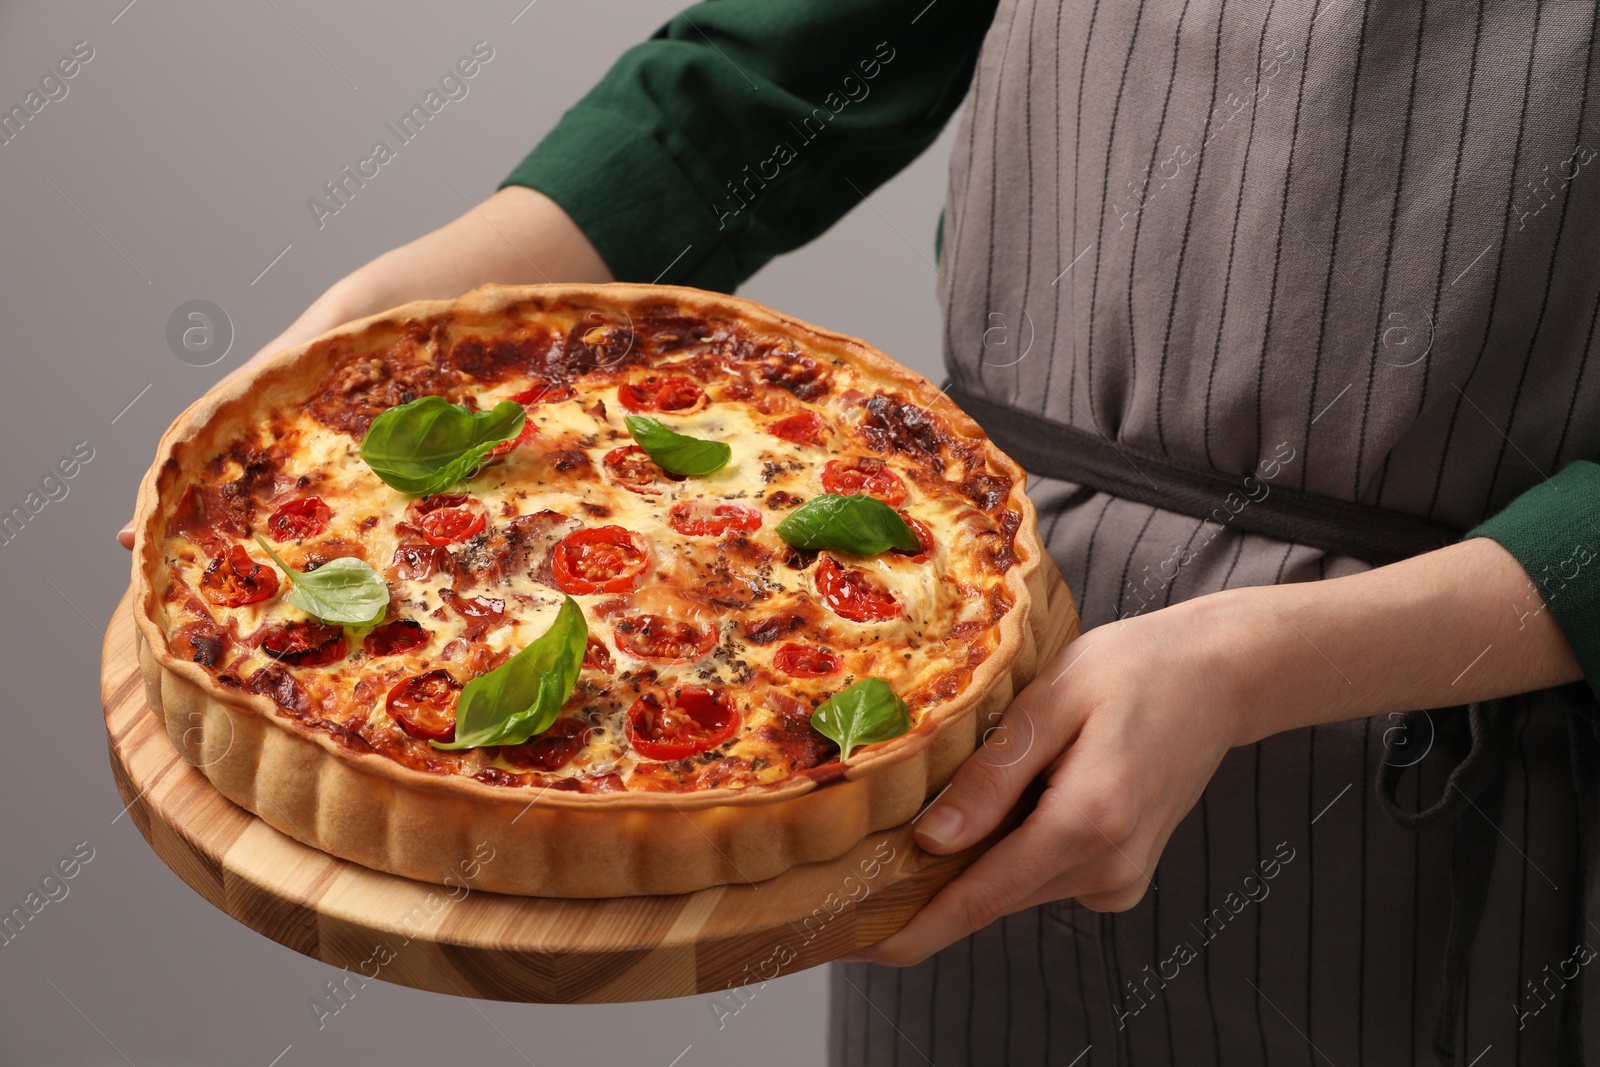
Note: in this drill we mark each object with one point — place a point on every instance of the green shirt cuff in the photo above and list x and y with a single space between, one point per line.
1553 530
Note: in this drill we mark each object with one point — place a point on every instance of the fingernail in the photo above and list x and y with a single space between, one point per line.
941 825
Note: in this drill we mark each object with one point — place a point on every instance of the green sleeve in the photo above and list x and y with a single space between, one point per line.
1553 530
744 128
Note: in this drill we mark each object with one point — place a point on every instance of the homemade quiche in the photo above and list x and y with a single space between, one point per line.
648 588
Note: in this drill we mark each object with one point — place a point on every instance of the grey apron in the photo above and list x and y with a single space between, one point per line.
1354 247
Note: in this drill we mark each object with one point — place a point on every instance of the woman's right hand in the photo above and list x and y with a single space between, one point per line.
516 237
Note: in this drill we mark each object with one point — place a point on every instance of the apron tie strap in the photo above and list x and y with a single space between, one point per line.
1583 745
1470 803
1247 501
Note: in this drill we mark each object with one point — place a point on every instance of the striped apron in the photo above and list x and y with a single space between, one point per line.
1354 245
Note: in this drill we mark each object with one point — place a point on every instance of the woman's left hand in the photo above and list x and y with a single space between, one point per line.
1127 725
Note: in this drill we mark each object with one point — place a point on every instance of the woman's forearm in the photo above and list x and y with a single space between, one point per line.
516 237
1449 627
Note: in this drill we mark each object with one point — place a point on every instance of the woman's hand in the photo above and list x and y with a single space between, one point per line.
515 237
1128 725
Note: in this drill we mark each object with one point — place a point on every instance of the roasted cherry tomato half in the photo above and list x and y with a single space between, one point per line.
924 538
551 750
543 392
670 724
393 638
425 705
307 643
599 559
232 579
632 468
296 520
449 525
865 475
597 657
806 661
852 595
705 518
445 518
673 394
662 640
528 432
806 428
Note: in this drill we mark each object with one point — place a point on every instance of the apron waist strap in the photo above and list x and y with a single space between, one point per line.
1085 457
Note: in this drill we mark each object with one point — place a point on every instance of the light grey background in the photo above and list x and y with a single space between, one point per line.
176 168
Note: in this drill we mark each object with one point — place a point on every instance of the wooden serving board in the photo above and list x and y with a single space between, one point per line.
536 949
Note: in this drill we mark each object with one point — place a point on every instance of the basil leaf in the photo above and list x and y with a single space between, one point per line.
862 714
863 525
430 444
677 453
344 590
520 698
